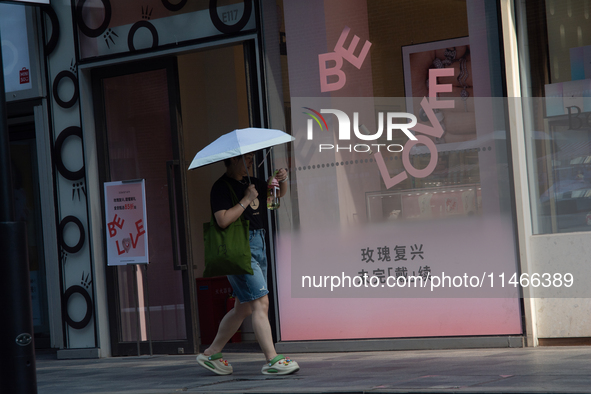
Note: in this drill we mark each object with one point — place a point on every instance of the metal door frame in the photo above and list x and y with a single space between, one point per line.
97 75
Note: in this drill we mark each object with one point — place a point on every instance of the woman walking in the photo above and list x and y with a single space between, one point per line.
250 290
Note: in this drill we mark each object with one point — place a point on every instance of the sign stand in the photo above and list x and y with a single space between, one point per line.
127 241
147 301
136 294
146 298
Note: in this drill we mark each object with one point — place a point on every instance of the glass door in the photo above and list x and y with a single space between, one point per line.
152 118
149 305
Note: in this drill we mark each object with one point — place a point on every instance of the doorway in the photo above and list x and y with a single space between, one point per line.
152 117
149 305
27 205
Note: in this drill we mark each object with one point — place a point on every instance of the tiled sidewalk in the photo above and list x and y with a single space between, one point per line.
521 370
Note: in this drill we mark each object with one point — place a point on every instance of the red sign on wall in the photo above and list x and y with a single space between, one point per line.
24 75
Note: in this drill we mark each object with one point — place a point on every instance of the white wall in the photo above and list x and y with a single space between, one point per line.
562 253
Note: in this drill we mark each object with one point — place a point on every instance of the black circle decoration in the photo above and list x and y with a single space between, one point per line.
87 31
70 292
55 29
76 248
228 29
72 131
70 75
173 7
135 28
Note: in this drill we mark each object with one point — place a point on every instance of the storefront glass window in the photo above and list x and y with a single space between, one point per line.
556 45
374 195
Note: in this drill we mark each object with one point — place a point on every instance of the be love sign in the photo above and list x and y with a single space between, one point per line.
126 222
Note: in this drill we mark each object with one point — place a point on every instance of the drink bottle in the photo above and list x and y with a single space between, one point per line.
273 192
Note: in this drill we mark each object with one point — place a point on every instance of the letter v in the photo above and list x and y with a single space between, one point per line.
134 244
428 105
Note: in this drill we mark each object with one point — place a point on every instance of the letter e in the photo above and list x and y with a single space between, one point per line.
435 88
347 54
140 227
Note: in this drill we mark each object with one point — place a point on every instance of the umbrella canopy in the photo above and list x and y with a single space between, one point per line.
239 142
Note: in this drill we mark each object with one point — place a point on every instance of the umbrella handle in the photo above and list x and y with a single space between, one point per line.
247 174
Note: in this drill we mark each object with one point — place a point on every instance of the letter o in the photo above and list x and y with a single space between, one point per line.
421 139
395 151
371 281
360 281
361 151
454 281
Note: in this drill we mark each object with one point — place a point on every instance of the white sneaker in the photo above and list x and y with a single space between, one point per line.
280 365
215 363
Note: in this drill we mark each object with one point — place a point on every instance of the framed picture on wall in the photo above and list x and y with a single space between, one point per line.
459 122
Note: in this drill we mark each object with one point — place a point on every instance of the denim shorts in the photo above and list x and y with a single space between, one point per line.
251 287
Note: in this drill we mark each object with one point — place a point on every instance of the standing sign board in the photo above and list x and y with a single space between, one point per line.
127 227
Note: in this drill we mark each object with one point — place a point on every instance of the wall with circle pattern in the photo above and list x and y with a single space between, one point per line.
67 36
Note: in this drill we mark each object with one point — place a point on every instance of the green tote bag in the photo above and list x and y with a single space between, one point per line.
227 251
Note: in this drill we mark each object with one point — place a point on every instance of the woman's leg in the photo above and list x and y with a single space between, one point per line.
228 326
262 327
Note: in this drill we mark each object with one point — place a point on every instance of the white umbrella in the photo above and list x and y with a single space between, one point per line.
239 142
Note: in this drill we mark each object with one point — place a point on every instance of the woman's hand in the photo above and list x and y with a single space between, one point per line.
281 175
250 194
228 216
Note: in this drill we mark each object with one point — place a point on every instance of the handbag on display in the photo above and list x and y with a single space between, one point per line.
227 251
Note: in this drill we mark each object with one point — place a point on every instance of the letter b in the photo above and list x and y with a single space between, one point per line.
571 123
325 72
112 231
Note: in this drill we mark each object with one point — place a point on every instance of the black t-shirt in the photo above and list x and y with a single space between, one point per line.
221 199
